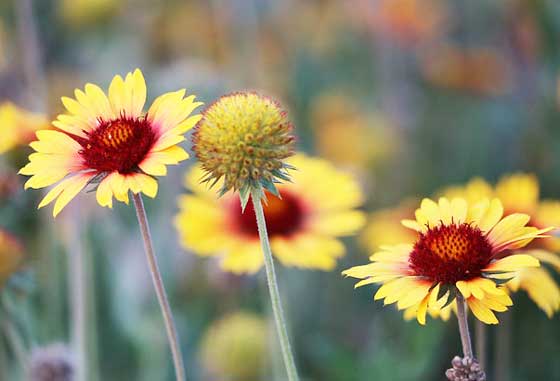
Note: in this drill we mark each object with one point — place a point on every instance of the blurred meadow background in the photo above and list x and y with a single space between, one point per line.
407 96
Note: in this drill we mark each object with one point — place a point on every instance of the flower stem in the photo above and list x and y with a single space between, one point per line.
273 289
464 326
159 287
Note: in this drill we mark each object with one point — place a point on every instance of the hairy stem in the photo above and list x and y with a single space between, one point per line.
160 289
273 289
464 326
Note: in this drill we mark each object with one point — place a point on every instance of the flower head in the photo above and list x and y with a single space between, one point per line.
519 193
316 208
460 247
52 363
11 255
242 350
244 138
110 142
18 126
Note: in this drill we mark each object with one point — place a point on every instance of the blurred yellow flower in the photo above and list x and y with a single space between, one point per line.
11 255
111 142
316 207
384 227
461 248
519 193
235 348
81 13
18 126
349 137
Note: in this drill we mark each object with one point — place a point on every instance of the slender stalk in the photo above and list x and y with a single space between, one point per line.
464 326
32 67
273 289
78 293
15 341
160 289
480 342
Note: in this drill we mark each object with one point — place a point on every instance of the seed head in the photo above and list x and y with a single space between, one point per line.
244 138
465 369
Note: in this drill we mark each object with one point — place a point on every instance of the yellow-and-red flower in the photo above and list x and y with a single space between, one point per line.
519 193
461 247
109 141
316 207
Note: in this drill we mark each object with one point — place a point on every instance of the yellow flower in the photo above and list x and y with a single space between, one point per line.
384 227
235 348
316 207
519 193
111 142
81 13
11 255
349 137
244 138
461 247
18 126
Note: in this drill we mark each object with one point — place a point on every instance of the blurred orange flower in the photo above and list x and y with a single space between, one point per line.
480 71
405 21
11 255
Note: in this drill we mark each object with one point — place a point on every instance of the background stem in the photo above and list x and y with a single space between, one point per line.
480 343
464 326
503 348
159 287
273 289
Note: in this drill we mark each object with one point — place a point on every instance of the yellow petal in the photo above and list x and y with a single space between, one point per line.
483 313
153 167
513 263
104 194
73 186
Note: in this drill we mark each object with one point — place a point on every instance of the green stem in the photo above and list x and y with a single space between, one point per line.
15 341
160 289
464 326
273 289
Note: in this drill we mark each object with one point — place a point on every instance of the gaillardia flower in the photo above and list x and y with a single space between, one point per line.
519 193
461 248
315 208
109 141
244 138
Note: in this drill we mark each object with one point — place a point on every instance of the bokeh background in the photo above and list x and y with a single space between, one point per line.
408 95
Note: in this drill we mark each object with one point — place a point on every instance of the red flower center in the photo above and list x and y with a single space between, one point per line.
449 253
117 145
283 216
